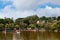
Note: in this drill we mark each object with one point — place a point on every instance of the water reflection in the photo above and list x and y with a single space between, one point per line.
16 36
0 35
9 36
31 36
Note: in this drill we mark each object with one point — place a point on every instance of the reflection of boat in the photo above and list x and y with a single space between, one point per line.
16 35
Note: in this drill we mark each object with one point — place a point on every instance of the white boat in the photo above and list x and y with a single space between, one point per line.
18 32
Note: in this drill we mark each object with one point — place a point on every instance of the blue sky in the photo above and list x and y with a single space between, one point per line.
24 8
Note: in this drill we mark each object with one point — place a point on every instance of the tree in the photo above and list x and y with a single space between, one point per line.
54 18
48 26
32 26
56 25
2 21
6 25
8 20
58 18
1 26
31 19
40 24
17 26
23 25
11 25
43 18
18 20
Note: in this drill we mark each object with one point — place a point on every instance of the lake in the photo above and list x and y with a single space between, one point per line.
28 35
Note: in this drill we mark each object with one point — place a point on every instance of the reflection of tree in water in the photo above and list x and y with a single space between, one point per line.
25 35
31 36
3 36
55 36
9 36
48 36
40 36
37 36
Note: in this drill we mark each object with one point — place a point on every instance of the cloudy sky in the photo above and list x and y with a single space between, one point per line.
24 8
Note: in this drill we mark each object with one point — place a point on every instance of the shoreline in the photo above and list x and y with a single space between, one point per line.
32 31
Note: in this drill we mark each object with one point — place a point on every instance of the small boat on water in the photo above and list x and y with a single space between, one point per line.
17 31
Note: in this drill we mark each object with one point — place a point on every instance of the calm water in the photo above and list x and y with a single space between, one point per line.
31 36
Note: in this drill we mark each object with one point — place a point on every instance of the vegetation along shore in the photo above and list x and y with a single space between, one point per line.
31 23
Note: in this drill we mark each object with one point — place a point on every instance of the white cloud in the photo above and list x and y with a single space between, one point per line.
57 2
8 12
29 4
24 8
25 4
49 8
48 11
